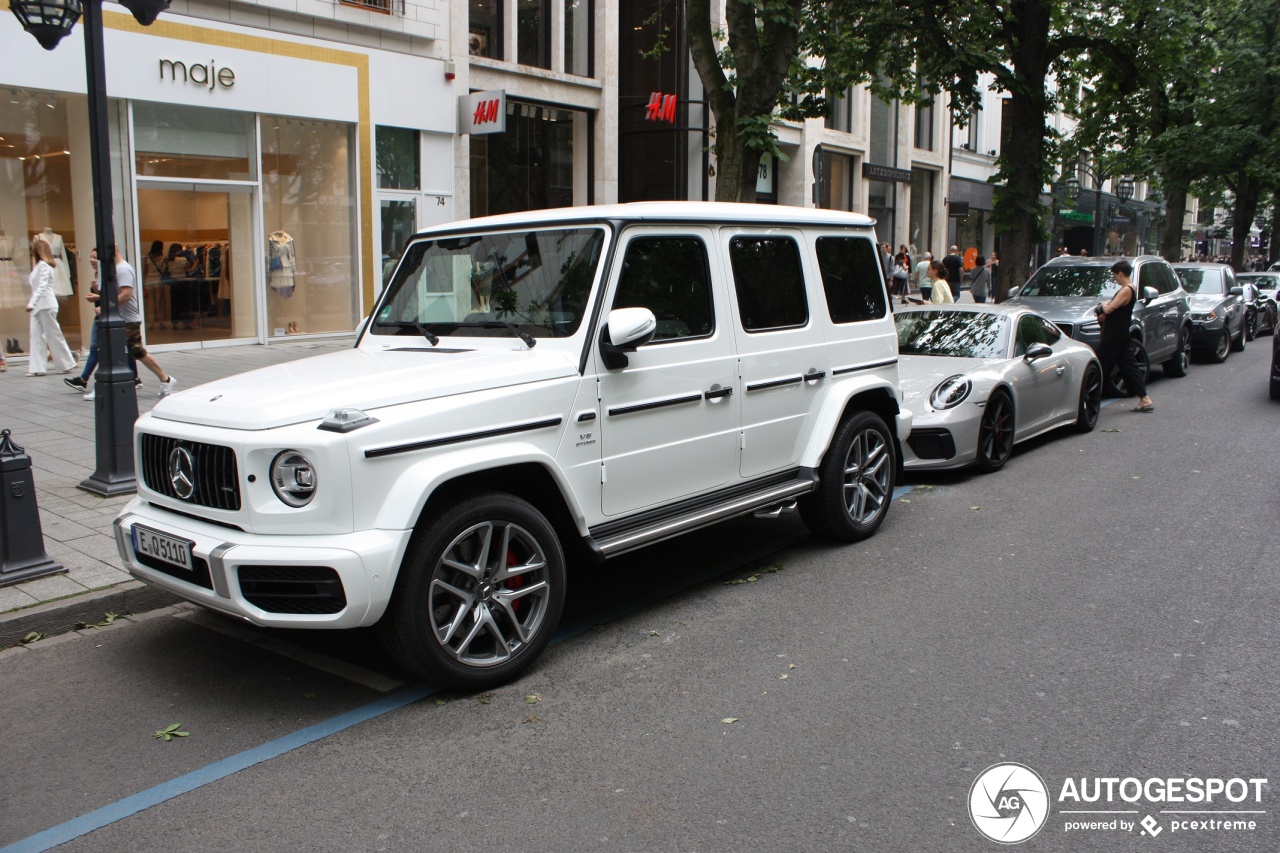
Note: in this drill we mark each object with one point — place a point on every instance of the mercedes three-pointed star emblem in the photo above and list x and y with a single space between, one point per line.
182 472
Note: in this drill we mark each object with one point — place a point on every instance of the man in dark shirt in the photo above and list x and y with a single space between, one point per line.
954 264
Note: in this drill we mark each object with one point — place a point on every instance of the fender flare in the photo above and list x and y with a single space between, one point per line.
833 408
405 500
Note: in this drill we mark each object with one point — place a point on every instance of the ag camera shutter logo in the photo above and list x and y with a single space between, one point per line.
1008 803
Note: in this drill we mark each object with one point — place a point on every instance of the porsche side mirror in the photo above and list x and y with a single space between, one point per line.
1037 351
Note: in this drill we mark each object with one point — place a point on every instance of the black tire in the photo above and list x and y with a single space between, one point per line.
1222 349
1250 324
1090 405
1180 364
995 435
1275 389
468 621
1238 344
855 480
1115 383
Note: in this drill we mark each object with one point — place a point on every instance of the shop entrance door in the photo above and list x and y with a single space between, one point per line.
196 266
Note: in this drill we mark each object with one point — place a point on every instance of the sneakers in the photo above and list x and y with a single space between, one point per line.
167 387
76 383
137 382
88 396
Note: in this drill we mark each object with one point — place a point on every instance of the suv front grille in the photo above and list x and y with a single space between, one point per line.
199 574
217 482
293 589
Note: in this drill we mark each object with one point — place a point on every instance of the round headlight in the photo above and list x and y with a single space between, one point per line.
950 392
293 478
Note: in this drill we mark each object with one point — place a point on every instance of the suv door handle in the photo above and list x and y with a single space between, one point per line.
717 393
814 374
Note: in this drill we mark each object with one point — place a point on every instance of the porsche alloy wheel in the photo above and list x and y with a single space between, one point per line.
995 436
1090 405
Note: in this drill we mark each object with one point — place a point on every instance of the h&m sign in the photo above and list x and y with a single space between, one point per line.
483 112
206 76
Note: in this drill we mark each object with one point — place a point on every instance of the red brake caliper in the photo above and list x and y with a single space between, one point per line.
515 582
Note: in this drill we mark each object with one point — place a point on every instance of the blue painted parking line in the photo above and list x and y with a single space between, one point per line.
129 806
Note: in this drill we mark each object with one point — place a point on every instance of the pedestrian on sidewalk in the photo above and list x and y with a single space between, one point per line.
1116 317
954 265
81 382
980 285
45 332
922 277
128 297
941 292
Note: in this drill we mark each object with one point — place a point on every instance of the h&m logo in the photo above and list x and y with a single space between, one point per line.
200 75
486 112
661 108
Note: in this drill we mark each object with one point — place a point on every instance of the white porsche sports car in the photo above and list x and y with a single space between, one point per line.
981 378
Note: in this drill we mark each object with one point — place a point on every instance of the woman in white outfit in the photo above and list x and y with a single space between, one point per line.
43 308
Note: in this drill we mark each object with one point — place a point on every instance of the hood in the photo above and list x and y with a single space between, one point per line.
918 375
1069 309
306 390
1202 302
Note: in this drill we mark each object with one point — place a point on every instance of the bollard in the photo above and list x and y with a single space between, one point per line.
22 554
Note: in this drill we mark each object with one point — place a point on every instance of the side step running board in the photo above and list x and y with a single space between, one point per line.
775 498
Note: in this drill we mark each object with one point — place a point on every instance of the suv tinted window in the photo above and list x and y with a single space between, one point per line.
670 277
1157 276
851 278
769 282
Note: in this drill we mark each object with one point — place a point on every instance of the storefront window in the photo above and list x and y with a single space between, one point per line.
835 189
309 204
921 236
45 190
880 206
200 144
577 37
529 167
398 159
484 34
533 33
399 221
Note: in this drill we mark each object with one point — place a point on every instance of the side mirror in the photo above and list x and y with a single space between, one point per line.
625 330
1013 291
1037 351
1149 293
1236 291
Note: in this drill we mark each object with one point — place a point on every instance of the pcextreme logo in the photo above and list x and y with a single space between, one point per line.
1009 803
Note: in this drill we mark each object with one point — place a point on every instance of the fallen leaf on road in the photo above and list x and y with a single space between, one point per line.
532 699
1111 429
728 720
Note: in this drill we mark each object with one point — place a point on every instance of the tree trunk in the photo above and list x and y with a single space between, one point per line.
1273 239
1246 207
1175 210
1022 155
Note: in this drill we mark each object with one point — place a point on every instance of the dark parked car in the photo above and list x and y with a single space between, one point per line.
1217 309
1260 302
1275 367
1066 290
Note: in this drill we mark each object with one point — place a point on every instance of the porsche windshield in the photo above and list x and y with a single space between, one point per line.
1089 280
954 334
491 284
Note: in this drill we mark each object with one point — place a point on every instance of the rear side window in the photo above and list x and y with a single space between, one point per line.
851 278
769 281
670 277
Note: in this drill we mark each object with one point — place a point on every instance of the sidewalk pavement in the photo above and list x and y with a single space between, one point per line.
55 427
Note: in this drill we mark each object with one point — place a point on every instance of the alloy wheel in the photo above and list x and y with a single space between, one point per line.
868 475
995 439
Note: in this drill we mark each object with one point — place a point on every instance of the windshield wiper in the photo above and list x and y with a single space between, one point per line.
529 340
410 324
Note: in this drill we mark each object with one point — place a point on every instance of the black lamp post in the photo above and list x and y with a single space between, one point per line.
115 400
1124 192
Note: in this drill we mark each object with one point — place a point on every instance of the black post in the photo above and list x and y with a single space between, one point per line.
115 399
1098 218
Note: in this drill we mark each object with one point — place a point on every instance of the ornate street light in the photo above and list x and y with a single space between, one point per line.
115 400
1073 187
1124 188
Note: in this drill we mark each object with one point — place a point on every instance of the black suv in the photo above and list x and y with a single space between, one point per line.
1067 289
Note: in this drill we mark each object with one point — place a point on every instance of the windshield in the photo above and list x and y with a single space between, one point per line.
1262 280
1092 280
956 334
482 285
1201 280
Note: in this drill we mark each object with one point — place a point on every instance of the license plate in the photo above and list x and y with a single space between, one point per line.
163 547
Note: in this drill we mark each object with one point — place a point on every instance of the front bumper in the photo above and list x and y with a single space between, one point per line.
946 440
1206 334
364 563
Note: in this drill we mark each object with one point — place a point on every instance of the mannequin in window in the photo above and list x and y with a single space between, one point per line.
282 263
62 270
155 286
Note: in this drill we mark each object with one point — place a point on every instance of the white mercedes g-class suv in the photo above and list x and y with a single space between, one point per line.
527 384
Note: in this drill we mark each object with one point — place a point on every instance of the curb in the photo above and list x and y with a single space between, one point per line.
68 614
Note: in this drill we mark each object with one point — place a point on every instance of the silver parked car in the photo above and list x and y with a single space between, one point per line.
1218 310
1067 289
978 379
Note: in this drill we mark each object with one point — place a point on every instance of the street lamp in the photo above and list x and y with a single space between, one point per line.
115 400
1124 192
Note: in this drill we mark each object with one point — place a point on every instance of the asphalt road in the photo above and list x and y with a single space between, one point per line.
1103 607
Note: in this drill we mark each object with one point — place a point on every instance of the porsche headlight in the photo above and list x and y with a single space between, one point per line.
293 478
950 392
